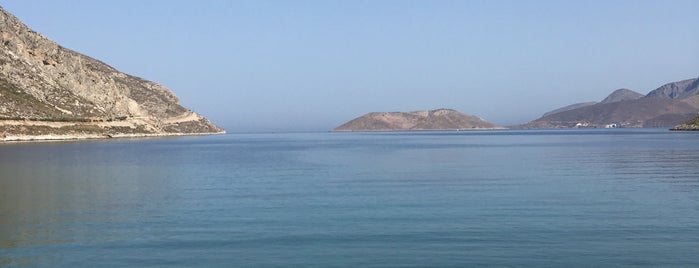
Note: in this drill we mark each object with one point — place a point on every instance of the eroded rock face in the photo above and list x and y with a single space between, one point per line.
40 81
677 90
440 119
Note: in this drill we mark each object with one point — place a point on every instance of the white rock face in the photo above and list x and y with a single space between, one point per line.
42 81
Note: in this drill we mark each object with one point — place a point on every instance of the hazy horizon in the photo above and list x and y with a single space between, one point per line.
312 65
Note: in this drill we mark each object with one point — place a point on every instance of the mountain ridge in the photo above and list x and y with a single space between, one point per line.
677 90
50 92
666 106
569 107
622 94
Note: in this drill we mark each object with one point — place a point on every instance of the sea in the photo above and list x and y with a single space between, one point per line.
506 198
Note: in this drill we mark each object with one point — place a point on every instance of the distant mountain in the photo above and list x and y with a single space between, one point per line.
667 106
616 96
622 95
440 119
51 92
570 107
677 90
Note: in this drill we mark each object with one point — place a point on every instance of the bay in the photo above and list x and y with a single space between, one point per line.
619 197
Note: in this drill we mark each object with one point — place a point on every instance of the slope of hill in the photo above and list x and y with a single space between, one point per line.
50 92
666 106
622 95
570 107
692 124
677 90
441 119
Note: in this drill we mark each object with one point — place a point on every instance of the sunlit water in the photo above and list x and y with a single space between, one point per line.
503 198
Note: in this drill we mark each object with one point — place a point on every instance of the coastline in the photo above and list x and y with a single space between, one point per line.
80 137
16 130
685 128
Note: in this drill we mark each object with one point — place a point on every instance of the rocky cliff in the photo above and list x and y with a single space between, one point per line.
441 119
692 124
48 91
666 106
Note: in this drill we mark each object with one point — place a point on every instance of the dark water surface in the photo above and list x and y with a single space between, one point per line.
498 198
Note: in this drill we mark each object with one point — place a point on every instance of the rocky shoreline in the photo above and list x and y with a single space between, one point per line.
691 125
5 138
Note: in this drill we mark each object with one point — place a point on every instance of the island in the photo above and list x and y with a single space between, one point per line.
440 119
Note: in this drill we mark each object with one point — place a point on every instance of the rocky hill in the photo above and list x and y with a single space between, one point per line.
440 119
692 124
667 106
622 95
51 92
570 107
677 90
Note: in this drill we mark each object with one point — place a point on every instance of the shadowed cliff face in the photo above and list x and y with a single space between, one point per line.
677 90
40 81
441 119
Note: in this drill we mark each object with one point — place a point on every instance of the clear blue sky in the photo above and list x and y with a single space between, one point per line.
312 65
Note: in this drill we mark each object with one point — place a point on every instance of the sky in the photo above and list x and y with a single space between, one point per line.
260 66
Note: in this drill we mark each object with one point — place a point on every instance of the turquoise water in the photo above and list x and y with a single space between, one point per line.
497 198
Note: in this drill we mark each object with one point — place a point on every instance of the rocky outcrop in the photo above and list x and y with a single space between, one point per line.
441 119
666 106
50 91
692 124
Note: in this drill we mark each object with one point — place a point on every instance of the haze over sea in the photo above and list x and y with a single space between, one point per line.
508 198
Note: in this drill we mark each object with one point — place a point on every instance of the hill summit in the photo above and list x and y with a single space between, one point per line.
622 95
51 92
440 119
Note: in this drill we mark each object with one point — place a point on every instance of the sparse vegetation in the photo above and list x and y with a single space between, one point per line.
47 130
17 103
54 119
693 121
80 95
692 124
191 127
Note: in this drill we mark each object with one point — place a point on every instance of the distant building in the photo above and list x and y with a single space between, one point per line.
582 124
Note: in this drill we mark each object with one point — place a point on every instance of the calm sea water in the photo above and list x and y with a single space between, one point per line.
498 198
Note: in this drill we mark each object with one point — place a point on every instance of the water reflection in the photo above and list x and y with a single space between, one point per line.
275 200
65 193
